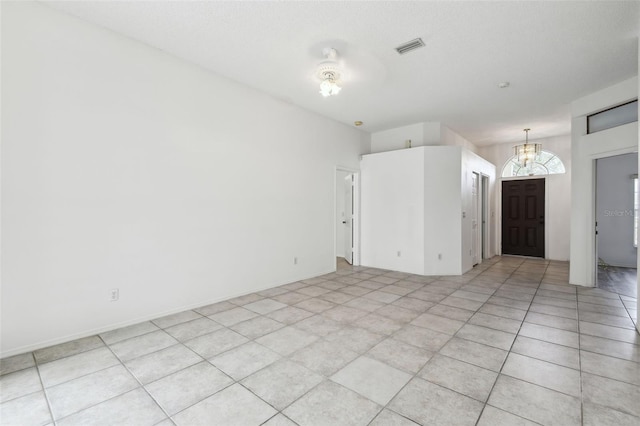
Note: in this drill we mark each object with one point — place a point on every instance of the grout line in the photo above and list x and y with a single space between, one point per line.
44 390
508 352
580 359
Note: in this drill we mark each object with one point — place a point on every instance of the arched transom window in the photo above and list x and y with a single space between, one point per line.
547 164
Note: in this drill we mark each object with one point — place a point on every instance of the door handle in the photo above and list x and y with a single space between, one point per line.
344 221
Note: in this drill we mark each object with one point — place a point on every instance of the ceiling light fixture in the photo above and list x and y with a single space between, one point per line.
527 153
329 73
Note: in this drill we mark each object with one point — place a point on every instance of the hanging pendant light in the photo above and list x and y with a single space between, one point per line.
527 153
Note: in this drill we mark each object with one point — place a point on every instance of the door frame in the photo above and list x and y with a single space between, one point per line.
356 211
594 229
589 148
476 239
484 217
546 200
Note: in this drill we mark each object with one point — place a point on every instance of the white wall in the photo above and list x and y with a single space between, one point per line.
392 205
420 134
557 189
449 137
125 167
585 149
614 209
432 238
443 210
392 139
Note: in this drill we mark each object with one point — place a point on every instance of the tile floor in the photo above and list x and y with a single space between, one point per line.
507 343
619 280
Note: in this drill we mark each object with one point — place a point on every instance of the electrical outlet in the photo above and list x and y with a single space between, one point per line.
115 294
439 256
399 253
295 260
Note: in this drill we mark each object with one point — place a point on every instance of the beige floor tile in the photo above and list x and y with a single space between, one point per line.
324 357
16 363
175 319
611 393
74 347
215 343
598 415
467 379
610 367
282 382
438 323
535 403
244 360
134 407
287 340
545 351
31 409
20 383
72 367
81 393
162 363
546 374
421 337
192 329
475 353
188 386
372 379
330 404
233 405
492 416
427 403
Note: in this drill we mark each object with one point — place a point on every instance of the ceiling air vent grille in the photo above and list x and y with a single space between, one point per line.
409 46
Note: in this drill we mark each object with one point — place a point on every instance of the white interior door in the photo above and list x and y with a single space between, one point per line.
348 218
474 217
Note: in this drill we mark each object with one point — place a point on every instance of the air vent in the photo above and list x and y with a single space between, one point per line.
409 46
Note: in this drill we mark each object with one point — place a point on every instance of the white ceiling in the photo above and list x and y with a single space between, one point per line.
552 52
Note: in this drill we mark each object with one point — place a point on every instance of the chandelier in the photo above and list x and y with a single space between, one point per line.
527 153
329 73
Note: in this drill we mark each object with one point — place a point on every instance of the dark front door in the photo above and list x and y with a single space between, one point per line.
523 217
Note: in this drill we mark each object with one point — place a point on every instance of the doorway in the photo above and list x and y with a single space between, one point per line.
616 223
346 220
476 218
484 214
479 217
523 216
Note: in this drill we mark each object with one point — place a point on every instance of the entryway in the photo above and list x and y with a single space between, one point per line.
346 217
479 217
523 216
616 235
